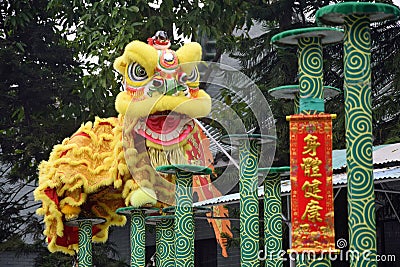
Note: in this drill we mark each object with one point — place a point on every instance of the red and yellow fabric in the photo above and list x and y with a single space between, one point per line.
311 183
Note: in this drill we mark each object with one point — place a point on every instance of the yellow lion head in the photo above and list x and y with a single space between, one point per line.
160 80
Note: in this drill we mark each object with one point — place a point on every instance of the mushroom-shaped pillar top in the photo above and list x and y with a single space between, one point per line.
130 210
178 168
291 37
335 14
280 170
158 218
93 221
236 139
290 91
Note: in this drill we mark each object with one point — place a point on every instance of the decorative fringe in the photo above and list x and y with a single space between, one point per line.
167 157
83 164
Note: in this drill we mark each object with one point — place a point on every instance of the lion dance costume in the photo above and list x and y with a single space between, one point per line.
110 163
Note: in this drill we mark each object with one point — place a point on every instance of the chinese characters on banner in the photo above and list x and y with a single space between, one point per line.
311 181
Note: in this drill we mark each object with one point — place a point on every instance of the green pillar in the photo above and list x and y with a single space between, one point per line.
358 115
165 240
273 216
138 239
85 238
184 221
310 75
356 18
249 224
85 244
249 151
273 220
137 234
309 42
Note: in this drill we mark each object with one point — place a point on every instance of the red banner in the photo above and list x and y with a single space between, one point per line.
311 181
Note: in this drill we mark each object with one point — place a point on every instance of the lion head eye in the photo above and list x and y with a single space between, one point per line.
136 72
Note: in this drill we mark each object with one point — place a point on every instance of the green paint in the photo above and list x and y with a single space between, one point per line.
184 222
310 75
312 104
85 243
249 224
165 249
273 220
358 114
138 239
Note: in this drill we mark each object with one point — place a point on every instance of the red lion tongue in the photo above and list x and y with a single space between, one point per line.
165 129
163 124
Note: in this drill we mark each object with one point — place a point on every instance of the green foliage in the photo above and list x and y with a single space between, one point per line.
99 31
39 106
38 84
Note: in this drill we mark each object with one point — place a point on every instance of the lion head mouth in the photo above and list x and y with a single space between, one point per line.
165 128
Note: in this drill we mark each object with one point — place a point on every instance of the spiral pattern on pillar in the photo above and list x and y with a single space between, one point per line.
310 69
165 249
184 223
273 220
358 112
85 243
249 225
138 239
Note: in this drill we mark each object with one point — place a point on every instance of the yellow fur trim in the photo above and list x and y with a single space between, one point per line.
193 107
122 102
173 156
143 196
73 170
70 212
189 55
139 52
80 160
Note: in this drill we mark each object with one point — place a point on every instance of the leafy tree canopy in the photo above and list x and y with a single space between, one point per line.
39 105
99 31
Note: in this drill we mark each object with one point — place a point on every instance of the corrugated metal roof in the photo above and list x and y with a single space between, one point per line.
381 155
387 153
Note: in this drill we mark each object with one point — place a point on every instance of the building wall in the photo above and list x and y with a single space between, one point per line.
390 248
